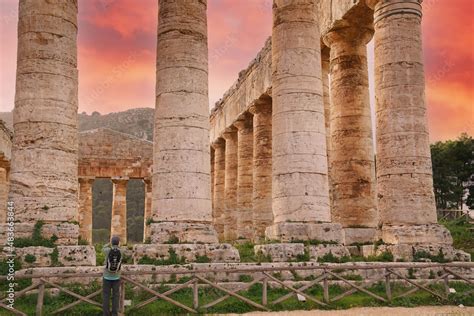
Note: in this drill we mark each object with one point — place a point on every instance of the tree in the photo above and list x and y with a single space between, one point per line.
453 168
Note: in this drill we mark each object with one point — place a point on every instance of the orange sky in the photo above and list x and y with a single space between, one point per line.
117 40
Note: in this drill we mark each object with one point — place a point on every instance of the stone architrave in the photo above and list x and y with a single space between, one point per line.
44 162
181 147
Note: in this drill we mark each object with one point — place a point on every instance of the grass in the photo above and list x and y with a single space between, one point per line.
254 293
463 238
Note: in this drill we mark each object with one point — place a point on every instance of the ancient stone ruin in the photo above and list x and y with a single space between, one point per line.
287 155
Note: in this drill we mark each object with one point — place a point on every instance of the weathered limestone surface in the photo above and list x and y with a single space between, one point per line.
307 231
167 232
67 233
300 180
244 177
3 195
230 201
404 174
318 251
85 208
44 154
219 187
416 234
262 167
352 166
181 151
190 252
105 153
280 252
407 252
148 213
118 225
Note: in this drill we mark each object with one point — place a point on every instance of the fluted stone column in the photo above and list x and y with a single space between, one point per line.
244 176
212 177
327 111
85 208
182 201
219 187
300 170
262 215
44 160
118 226
230 202
148 214
404 175
352 165
3 195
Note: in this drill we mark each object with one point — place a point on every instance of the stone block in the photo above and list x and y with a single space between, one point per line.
338 251
67 233
34 256
77 255
359 235
281 252
190 252
285 232
21 230
416 234
165 232
425 251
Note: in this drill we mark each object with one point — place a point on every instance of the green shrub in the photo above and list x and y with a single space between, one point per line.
30 258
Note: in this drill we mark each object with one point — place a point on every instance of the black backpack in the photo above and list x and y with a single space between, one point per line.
114 260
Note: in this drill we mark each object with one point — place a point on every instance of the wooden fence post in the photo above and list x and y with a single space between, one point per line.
388 289
195 295
265 292
40 300
446 284
122 298
326 288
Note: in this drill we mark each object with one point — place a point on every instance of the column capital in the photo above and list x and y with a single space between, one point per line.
119 180
244 122
218 143
147 180
85 179
258 108
386 8
229 133
354 34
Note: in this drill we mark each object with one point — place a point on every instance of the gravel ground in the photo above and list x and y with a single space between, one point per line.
379 311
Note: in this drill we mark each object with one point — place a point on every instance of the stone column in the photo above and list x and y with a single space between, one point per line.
147 215
3 195
327 112
352 166
404 175
85 208
219 186
230 202
212 177
182 201
44 160
118 226
300 171
244 176
262 215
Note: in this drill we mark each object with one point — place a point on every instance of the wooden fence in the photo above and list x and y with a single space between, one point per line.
323 275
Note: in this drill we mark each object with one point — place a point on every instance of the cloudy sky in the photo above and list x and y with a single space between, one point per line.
117 41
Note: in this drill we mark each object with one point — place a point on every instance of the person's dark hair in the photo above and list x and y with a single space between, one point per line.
115 241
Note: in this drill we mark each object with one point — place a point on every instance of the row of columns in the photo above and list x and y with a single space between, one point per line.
119 208
242 176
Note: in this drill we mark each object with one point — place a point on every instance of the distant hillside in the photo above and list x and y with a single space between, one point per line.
136 122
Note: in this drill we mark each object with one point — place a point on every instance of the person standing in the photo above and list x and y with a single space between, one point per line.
111 276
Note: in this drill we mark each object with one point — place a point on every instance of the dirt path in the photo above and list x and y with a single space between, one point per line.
379 311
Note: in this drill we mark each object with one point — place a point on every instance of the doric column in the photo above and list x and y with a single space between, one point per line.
44 160
230 202
147 215
327 111
262 215
244 176
182 200
118 226
85 208
352 169
404 175
212 177
219 187
3 195
300 170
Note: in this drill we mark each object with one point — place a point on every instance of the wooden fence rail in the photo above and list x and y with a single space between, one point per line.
323 275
